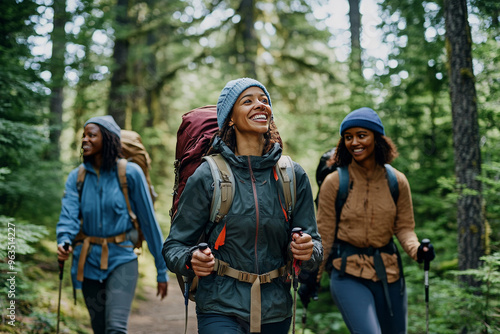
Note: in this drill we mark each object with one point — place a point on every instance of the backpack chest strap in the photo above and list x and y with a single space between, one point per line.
87 240
223 269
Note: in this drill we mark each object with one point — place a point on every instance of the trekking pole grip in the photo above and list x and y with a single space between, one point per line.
426 243
202 246
296 263
297 230
61 263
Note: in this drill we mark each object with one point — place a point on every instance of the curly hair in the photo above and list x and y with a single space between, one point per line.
111 149
228 136
385 151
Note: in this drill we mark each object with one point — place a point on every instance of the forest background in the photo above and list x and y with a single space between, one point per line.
430 69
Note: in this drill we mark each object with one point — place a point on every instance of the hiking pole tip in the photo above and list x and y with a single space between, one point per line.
61 271
425 243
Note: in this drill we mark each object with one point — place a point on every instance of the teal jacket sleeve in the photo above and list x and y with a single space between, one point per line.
69 223
304 216
142 205
191 219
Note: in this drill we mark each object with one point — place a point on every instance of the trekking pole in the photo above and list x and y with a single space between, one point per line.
295 279
201 246
304 319
304 313
61 271
425 243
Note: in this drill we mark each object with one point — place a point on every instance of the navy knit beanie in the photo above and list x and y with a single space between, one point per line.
108 122
363 118
230 93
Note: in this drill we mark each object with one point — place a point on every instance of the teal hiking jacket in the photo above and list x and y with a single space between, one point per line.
257 234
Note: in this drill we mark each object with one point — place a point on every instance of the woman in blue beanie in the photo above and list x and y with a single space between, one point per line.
96 225
366 281
254 237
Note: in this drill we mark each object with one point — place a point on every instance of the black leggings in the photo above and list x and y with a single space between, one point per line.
109 301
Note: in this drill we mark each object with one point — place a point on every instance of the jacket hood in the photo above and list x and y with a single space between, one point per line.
268 160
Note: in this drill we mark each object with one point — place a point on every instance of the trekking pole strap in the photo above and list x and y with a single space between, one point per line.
223 269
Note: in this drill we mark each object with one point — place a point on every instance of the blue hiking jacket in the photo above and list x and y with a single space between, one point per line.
105 214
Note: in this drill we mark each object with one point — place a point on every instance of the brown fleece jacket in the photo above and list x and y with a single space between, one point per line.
369 218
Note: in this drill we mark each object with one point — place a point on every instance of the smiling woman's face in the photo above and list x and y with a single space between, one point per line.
251 112
91 140
360 142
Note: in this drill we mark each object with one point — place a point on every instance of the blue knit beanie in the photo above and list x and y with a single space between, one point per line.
363 118
108 122
230 93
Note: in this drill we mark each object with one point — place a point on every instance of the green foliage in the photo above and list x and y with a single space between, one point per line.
483 302
29 184
24 235
20 240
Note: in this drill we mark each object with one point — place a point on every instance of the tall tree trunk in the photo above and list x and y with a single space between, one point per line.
465 137
57 71
118 91
152 96
355 20
356 80
248 36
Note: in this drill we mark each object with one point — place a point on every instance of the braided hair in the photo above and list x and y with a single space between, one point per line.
111 150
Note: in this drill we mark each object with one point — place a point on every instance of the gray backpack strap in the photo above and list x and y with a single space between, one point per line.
286 177
223 186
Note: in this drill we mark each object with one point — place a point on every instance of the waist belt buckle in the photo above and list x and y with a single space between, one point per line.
221 270
244 276
265 278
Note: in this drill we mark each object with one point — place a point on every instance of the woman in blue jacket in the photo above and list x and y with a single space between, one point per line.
254 237
108 271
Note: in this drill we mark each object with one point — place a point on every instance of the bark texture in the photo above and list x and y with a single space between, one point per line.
465 136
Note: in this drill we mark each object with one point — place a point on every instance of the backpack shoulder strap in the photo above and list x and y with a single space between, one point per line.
343 191
286 177
342 194
122 178
223 186
393 182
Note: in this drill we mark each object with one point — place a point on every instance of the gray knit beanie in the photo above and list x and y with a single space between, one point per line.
363 118
230 93
108 122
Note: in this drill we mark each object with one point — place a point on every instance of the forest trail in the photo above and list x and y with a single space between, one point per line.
152 316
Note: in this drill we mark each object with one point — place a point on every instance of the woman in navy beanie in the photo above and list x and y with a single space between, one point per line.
366 278
249 291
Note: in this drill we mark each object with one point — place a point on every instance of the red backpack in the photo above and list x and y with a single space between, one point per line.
193 137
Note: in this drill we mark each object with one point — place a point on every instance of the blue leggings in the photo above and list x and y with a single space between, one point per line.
363 305
210 323
109 301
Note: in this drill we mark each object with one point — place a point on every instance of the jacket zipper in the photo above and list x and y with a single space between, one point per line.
254 188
